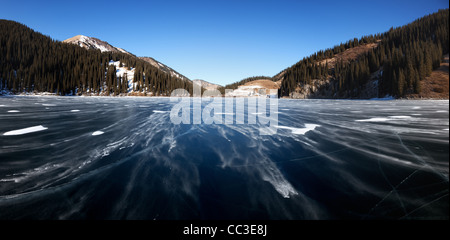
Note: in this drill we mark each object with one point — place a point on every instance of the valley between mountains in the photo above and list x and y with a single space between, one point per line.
409 62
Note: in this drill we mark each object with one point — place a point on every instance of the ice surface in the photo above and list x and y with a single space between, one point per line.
25 130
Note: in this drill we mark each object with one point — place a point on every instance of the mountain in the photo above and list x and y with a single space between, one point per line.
94 43
206 85
31 62
399 63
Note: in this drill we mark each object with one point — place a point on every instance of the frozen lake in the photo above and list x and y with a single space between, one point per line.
123 158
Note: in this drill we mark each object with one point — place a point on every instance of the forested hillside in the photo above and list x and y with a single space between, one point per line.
404 56
32 62
393 63
385 64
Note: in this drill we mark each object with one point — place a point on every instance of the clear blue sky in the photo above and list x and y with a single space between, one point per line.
220 41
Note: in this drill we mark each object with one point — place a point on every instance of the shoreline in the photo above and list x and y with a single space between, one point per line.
137 96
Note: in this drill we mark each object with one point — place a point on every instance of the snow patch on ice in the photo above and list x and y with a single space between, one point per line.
373 120
75 110
159 111
400 117
13 111
300 131
97 133
384 119
25 130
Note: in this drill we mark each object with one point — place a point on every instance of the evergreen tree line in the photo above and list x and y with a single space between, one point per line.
32 62
404 56
302 73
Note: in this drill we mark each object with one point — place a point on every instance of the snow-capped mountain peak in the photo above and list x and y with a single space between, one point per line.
94 43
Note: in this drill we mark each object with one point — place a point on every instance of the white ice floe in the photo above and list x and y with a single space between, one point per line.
48 105
13 111
441 111
75 110
25 130
97 133
301 131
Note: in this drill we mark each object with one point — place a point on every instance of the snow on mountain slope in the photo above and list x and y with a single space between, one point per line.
94 43
120 72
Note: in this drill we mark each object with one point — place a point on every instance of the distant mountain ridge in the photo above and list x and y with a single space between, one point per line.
164 68
206 85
